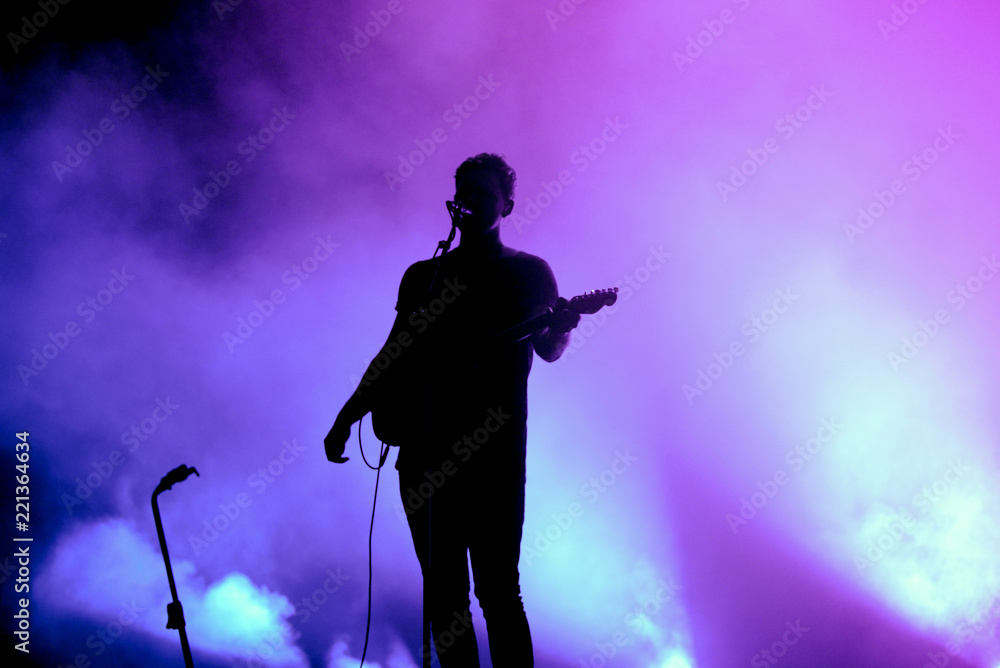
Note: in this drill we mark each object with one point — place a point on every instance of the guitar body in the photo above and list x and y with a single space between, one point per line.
400 412
389 419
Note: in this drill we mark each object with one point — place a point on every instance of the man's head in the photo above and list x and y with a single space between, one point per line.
485 184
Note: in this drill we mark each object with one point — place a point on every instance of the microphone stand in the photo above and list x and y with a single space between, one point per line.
175 613
456 210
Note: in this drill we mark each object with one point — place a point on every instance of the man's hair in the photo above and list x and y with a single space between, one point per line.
490 162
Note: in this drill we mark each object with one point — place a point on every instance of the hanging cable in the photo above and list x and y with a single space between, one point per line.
383 453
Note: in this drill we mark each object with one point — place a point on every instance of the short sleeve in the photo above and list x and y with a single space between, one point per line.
548 291
405 300
541 289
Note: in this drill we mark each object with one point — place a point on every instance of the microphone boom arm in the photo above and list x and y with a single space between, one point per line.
175 613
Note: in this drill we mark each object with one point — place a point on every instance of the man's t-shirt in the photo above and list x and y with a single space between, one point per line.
466 385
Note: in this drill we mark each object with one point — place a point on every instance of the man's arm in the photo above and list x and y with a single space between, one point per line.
358 405
362 400
550 342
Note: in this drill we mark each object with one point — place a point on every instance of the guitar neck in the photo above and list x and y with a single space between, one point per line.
521 331
589 303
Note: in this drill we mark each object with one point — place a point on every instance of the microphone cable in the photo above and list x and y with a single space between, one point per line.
456 210
383 453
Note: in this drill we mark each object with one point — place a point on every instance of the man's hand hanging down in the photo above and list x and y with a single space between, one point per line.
336 441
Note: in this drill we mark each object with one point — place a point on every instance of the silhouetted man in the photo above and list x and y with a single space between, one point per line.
463 413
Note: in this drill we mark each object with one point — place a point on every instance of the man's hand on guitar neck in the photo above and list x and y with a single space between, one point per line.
563 319
551 341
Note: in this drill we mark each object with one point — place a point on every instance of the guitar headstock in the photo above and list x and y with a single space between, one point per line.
593 301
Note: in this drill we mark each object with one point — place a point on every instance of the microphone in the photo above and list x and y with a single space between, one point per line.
179 474
458 210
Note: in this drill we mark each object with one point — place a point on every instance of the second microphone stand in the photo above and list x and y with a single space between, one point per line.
175 613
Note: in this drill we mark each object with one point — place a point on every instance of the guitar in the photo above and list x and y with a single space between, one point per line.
397 414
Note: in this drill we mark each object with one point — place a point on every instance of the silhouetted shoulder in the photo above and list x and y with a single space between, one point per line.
414 284
526 260
534 276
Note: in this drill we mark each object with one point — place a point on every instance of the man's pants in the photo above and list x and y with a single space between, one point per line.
479 512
